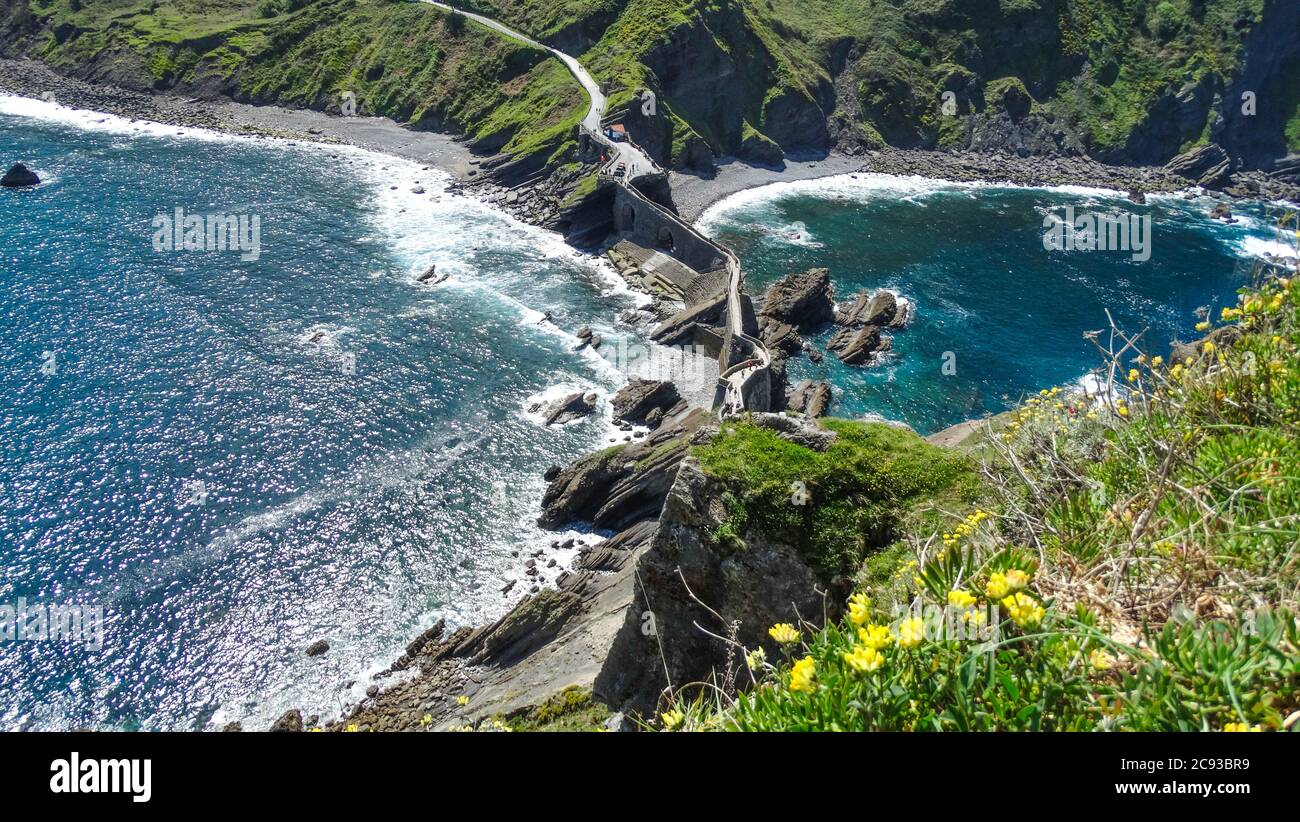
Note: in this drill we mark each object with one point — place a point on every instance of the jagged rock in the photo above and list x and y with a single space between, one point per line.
1208 165
1138 196
654 418
291 722
796 429
639 397
810 398
584 333
233 728
431 635
878 309
855 346
780 336
19 176
804 301
567 409
1221 211
1222 336
317 648
551 473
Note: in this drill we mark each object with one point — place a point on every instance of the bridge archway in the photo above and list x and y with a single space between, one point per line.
664 239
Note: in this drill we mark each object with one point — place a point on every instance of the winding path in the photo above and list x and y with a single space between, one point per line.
637 163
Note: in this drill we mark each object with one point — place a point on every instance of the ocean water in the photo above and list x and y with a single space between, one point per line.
236 457
1005 313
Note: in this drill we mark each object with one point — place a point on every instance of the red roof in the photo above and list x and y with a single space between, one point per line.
619 128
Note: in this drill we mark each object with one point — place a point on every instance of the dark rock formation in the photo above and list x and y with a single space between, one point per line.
855 346
19 176
1207 165
291 722
1221 211
634 401
878 309
804 301
566 409
317 648
810 398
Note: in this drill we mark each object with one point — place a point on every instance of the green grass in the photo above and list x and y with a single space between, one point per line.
862 488
571 710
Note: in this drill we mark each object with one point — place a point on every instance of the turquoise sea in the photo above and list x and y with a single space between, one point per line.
988 298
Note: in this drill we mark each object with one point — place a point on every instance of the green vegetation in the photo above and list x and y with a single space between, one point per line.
1132 563
407 61
860 490
572 709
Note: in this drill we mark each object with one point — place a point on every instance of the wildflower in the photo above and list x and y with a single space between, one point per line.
1100 660
1121 409
1203 326
876 637
672 719
1241 727
1133 375
1157 361
425 720
755 658
462 700
802 674
1207 347
1002 585
1177 371
351 729
960 599
863 659
1025 610
911 632
859 609
784 633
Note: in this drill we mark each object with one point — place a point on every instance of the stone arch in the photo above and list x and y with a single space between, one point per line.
665 238
629 217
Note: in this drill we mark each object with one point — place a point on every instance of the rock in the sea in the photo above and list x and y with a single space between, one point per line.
232 728
811 398
291 722
855 346
634 401
780 336
804 301
317 648
1221 211
1138 196
19 176
879 308
568 408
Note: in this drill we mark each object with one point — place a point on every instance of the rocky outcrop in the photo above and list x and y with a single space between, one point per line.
566 409
317 648
1207 165
855 346
805 301
19 176
810 398
686 569
635 401
621 485
879 309
291 722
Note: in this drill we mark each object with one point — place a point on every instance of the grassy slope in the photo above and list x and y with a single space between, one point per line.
401 60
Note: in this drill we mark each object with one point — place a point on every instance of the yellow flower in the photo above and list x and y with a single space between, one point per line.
351 729
802 674
1241 727
1207 347
876 637
755 659
672 718
864 660
1157 361
426 719
1203 326
1002 585
1025 610
462 700
859 609
784 633
911 632
1100 660
960 599
1121 409
1133 375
